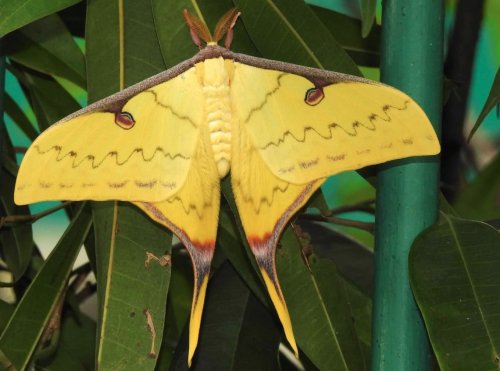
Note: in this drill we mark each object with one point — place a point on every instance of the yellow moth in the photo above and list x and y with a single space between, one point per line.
165 143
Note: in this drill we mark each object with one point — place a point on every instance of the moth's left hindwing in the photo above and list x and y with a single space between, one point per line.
139 149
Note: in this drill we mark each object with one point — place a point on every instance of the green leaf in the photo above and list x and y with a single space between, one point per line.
480 199
103 49
141 51
368 8
49 100
6 311
237 332
16 242
132 286
296 35
62 361
76 345
445 207
353 260
492 101
454 276
360 305
19 339
47 46
321 317
15 14
19 117
173 34
355 268
78 337
364 50
130 294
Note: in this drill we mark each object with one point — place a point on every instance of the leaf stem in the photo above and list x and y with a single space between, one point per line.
10 220
366 206
366 226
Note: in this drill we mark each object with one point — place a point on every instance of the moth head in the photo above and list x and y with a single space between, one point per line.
200 32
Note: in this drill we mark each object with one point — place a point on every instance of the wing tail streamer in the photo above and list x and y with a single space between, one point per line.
265 204
193 215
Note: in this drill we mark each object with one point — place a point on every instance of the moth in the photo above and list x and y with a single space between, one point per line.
165 143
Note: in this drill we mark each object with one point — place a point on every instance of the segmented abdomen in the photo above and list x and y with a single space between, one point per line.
218 110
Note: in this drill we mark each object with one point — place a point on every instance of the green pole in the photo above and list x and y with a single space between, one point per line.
407 191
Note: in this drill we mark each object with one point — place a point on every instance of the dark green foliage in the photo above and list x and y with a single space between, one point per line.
454 275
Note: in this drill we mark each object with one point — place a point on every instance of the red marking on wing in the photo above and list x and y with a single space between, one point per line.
314 96
124 120
207 246
258 243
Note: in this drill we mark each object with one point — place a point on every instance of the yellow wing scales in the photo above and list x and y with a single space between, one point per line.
92 157
355 124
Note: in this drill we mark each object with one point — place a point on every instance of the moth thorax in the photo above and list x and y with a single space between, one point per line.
218 111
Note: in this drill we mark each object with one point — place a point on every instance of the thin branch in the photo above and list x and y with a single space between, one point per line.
305 243
80 275
365 206
54 323
369 227
18 219
88 290
81 288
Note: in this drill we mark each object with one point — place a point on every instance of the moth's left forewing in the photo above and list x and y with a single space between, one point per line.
136 145
308 124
